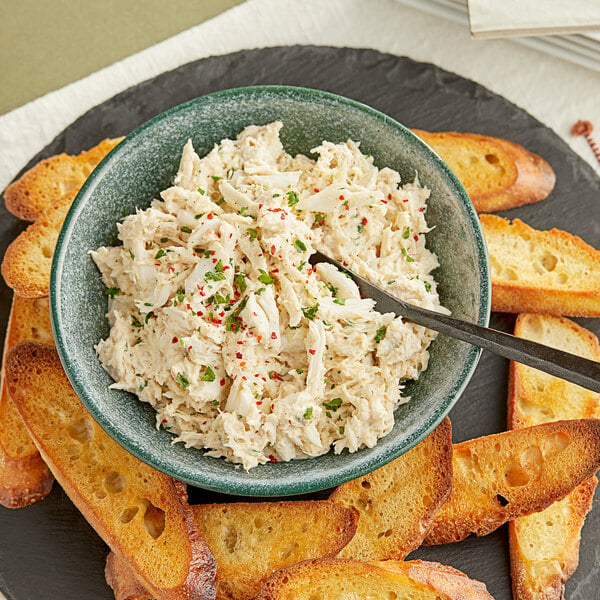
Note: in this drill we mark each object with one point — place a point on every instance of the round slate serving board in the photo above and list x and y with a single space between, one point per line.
48 551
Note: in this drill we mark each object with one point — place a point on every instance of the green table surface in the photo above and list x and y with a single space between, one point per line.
46 44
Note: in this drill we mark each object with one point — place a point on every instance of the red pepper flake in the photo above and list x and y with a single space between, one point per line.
405 200
164 421
243 364
238 355
199 313
222 313
364 220
389 196
171 270
255 314
202 292
188 307
316 190
290 421
273 336
273 249
384 201
204 422
256 375
311 351
209 216
346 207
226 267
244 378
239 342
214 260
259 402
416 238
274 270
341 197
222 382
174 340
282 216
421 209
259 338
272 458
189 348
232 302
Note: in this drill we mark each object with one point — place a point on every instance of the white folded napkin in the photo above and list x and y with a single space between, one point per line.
502 18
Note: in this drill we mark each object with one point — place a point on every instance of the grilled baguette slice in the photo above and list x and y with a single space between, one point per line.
544 547
541 271
339 579
497 174
251 540
27 261
398 502
449 580
500 477
24 477
138 511
36 189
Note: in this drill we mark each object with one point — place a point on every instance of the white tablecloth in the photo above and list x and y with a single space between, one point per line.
554 91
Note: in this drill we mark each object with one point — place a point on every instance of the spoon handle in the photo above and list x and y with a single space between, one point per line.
573 368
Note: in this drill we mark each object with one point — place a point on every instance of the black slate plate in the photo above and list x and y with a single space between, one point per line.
48 551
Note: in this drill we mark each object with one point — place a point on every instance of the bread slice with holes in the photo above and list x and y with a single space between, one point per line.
51 178
544 547
448 580
398 502
27 262
138 511
500 477
252 540
24 477
497 174
340 579
541 271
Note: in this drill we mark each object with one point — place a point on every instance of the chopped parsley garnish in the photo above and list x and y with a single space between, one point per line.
380 333
131 254
292 198
182 380
163 240
198 216
310 312
137 341
180 295
300 246
148 317
186 229
201 251
252 233
159 254
240 281
112 291
215 178
201 191
299 371
220 201
333 404
341 430
408 257
427 286
301 265
406 233
214 402
214 276
243 211
209 375
308 413
264 277
259 291
360 227
332 289
319 218
234 322
219 266
340 301
135 321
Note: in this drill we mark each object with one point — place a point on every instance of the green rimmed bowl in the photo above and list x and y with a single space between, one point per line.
146 162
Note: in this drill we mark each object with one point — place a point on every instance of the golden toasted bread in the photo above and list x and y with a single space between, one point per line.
24 477
449 580
122 581
541 271
398 502
340 579
27 261
500 477
139 512
251 540
53 177
544 546
497 174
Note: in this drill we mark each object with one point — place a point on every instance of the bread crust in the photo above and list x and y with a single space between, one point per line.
399 501
24 477
33 371
530 180
500 477
40 186
544 292
533 398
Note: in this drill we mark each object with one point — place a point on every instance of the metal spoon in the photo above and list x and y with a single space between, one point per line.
573 368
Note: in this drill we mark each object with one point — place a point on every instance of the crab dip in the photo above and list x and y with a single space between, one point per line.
220 323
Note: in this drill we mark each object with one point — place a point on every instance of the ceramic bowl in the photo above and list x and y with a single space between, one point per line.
146 162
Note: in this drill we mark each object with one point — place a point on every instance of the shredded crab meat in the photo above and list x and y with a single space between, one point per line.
219 321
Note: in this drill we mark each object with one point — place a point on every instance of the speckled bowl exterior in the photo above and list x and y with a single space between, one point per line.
146 162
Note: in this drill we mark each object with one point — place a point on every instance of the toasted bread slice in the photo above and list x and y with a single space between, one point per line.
252 540
449 580
497 174
500 477
24 477
121 579
398 502
541 271
136 510
27 261
339 579
38 188
544 547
